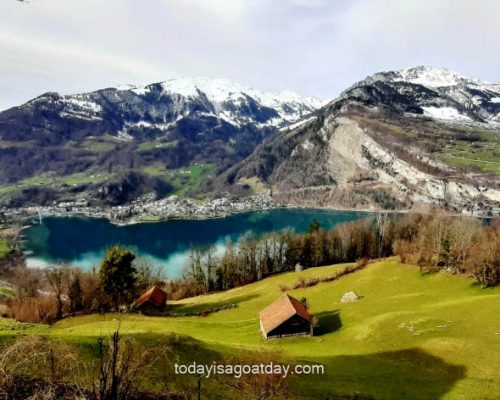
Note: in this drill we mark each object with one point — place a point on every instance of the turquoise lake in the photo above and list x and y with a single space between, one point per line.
82 241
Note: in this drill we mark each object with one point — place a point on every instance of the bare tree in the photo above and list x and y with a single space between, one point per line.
382 223
209 263
56 277
120 366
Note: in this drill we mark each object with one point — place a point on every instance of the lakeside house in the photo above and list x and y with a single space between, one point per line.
153 299
287 316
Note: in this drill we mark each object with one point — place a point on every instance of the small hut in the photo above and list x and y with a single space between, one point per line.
287 316
154 299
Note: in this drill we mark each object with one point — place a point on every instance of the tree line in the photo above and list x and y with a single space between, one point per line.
45 295
450 243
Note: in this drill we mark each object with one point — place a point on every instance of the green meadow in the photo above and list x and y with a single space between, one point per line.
183 180
410 336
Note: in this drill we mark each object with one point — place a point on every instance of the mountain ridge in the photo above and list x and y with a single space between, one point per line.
460 97
379 145
289 106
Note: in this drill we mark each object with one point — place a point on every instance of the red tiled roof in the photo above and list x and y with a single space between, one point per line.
154 295
282 310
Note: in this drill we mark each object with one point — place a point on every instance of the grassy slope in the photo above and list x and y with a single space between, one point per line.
55 183
484 153
436 336
183 180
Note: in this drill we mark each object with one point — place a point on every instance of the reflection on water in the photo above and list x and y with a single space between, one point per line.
82 241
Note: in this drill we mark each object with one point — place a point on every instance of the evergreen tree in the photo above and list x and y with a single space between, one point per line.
118 275
314 227
75 295
444 257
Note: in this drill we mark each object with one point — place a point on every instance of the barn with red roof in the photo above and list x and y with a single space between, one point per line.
154 298
287 316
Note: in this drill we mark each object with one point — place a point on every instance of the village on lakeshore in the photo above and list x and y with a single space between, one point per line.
147 209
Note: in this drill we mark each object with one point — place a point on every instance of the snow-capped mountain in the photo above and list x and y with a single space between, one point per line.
160 106
174 123
434 92
392 140
223 94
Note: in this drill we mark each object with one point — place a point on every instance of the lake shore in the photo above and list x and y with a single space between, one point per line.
145 210
174 208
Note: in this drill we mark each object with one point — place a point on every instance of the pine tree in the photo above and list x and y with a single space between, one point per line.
75 294
314 227
117 275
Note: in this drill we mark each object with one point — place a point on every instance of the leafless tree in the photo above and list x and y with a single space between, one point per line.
56 276
121 363
382 223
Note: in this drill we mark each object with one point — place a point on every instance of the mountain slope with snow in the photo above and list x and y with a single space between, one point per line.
434 92
395 140
159 107
137 137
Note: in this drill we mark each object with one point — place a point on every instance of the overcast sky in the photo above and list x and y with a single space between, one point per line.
312 47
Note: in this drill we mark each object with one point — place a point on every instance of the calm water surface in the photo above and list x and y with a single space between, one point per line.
82 241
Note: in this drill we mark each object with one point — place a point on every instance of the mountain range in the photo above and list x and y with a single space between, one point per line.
395 140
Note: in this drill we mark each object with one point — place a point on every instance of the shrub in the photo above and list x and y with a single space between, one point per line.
41 309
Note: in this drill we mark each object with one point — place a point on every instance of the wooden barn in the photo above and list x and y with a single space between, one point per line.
154 299
287 316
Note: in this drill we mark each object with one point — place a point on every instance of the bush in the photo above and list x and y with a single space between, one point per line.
32 354
41 309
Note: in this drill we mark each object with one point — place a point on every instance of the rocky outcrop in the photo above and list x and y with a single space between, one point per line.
349 297
360 154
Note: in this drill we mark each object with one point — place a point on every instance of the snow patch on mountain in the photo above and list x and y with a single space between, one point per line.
84 104
125 87
289 106
430 77
445 113
299 123
441 93
222 90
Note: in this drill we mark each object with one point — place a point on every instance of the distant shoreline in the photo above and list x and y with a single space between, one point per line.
28 213
148 211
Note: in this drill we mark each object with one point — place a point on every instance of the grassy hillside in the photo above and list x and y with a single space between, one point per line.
410 336
455 145
183 180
